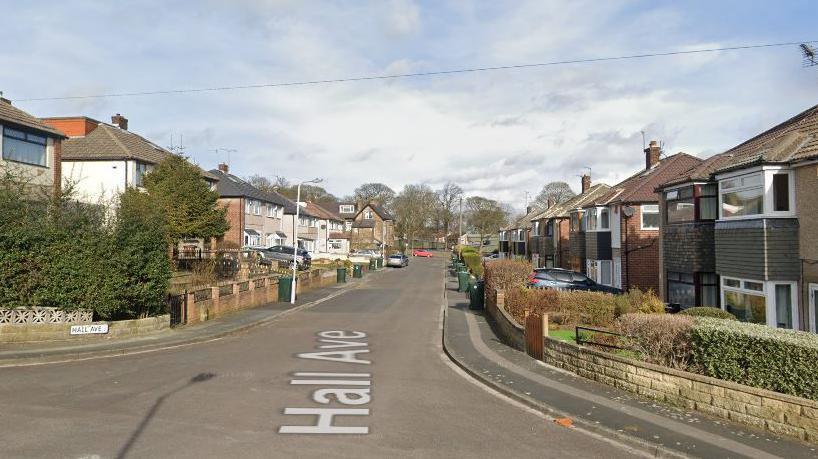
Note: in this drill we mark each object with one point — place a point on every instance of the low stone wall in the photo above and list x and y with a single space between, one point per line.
504 326
229 297
23 333
778 413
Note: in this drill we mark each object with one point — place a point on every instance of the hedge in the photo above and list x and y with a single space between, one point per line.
663 339
474 262
756 355
706 311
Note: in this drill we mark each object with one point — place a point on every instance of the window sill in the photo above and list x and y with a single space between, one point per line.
38 166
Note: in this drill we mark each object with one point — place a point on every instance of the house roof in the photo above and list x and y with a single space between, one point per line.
368 223
9 114
700 172
563 209
641 187
338 235
230 186
110 142
347 215
320 212
523 222
378 210
791 141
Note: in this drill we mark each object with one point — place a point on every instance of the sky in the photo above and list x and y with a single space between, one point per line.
497 134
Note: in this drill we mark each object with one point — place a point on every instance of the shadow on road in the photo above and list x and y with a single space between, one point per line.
123 452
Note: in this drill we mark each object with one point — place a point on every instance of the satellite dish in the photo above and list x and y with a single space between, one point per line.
627 211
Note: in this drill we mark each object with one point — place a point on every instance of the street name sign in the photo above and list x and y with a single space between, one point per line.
96 329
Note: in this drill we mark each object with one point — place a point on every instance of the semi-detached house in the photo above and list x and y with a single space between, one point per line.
101 160
256 217
764 248
622 226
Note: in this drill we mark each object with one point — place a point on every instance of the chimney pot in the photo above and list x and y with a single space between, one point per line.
224 168
120 121
652 154
586 182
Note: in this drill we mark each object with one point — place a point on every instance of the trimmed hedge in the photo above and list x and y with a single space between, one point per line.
663 339
756 355
474 262
706 311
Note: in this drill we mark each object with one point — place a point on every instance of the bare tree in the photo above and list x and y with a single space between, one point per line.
375 192
485 216
414 210
448 199
558 191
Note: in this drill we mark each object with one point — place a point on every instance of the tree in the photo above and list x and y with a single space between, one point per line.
486 216
374 192
190 206
448 200
414 210
280 185
558 191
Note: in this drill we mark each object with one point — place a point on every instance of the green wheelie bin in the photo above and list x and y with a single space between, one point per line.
358 271
463 281
341 275
373 265
285 285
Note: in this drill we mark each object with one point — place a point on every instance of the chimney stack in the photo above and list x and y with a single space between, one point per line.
652 154
120 121
586 182
224 168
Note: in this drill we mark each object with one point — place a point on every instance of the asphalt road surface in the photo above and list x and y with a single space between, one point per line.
228 398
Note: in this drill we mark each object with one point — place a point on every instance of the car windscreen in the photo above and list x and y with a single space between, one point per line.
542 275
562 277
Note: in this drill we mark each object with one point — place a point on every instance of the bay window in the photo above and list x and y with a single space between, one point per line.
681 205
769 192
23 147
597 219
576 221
769 303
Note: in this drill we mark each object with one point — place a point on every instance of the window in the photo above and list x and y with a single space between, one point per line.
813 307
248 206
681 289
549 228
781 192
783 305
24 147
604 222
336 244
742 196
252 238
549 261
536 228
576 221
650 216
590 220
617 272
346 208
708 290
680 205
271 211
708 202
368 215
348 225
139 174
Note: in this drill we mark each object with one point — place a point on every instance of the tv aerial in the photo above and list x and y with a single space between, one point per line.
809 55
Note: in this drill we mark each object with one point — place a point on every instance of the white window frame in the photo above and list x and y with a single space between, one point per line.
813 295
768 203
346 208
643 211
768 292
256 207
248 206
271 211
597 212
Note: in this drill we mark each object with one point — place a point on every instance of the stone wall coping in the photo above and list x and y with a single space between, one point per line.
687 375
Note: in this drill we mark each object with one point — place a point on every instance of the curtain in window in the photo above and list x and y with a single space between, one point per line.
24 152
783 306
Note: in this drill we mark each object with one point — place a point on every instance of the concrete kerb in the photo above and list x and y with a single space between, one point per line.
551 413
90 355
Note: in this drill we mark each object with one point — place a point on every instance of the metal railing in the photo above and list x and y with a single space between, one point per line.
579 339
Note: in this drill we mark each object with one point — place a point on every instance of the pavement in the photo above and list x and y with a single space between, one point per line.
596 408
360 374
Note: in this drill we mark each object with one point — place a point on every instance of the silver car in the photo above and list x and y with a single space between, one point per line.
397 260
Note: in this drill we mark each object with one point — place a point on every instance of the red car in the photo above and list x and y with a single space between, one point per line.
421 253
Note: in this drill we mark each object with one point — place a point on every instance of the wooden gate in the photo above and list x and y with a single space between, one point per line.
534 335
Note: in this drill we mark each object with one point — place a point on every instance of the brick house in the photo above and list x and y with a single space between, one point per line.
622 226
101 160
328 223
256 217
372 227
308 225
688 210
552 230
765 233
31 148
515 237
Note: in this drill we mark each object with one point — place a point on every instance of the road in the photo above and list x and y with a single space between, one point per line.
228 398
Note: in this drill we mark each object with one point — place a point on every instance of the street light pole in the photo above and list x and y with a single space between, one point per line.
295 235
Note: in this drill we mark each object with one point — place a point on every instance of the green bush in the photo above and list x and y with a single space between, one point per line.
705 311
474 262
565 307
506 274
636 301
663 339
756 355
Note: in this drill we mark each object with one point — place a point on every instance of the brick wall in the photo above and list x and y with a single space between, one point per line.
762 409
640 257
235 217
504 326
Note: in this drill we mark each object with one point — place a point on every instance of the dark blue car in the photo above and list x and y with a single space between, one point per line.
562 279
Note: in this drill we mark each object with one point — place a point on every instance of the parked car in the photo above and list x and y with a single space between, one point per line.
397 260
421 253
493 256
371 253
284 253
562 279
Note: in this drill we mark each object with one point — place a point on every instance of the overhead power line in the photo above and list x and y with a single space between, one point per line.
416 74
